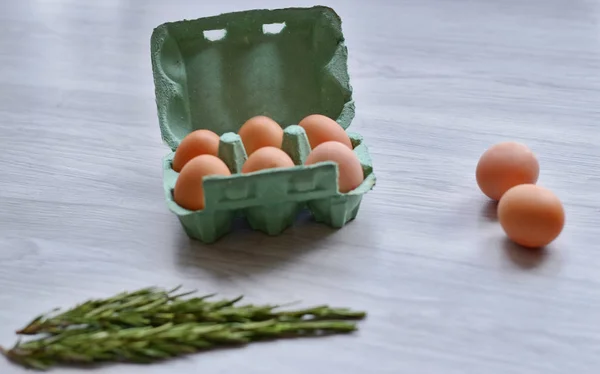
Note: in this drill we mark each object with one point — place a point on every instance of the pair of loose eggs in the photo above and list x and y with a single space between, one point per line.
197 155
530 215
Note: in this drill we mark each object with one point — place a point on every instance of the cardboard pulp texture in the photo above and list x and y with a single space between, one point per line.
217 72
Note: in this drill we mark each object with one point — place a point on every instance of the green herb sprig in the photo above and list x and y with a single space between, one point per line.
150 344
152 324
155 307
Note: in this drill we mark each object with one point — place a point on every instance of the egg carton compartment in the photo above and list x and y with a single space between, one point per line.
217 72
270 199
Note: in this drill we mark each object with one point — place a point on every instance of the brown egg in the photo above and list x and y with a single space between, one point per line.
189 191
530 215
260 132
504 166
267 158
320 129
196 143
350 171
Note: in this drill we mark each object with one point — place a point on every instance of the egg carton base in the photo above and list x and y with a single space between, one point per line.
273 220
270 221
335 211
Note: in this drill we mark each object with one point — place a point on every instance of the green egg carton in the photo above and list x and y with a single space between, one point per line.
217 72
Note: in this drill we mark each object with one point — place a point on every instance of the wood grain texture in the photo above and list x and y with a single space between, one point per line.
436 82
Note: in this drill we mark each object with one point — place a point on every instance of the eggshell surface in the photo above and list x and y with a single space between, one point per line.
196 143
320 129
350 172
531 216
504 166
259 132
189 191
267 158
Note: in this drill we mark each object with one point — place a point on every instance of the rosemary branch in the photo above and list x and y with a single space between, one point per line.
156 307
150 344
153 324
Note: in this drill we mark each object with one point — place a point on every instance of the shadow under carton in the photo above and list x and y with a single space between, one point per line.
217 72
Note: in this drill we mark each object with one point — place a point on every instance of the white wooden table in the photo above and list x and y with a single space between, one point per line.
436 82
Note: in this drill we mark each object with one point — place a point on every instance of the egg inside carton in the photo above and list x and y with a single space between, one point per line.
301 70
270 199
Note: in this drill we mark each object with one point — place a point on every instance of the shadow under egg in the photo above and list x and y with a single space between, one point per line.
525 258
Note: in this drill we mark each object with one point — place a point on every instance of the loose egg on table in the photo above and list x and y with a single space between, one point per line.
531 216
267 158
349 168
196 143
259 132
504 166
189 191
320 129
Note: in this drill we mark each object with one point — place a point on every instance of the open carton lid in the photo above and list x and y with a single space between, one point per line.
217 72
